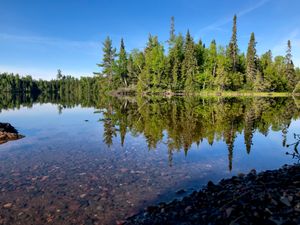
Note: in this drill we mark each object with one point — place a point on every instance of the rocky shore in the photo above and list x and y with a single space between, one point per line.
270 197
8 133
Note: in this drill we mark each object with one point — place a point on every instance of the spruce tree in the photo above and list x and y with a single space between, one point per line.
189 64
176 57
233 46
153 73
290 70
172 31
108 60
211 63
200 54
172 56
122 64
251 61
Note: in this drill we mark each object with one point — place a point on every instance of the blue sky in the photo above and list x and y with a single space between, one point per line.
38 37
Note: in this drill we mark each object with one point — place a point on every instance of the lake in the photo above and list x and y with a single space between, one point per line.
100 160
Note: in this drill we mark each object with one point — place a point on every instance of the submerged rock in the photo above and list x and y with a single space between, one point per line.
270 197
8 133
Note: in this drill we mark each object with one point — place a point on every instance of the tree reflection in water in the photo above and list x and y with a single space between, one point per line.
295 153
192 120
185 120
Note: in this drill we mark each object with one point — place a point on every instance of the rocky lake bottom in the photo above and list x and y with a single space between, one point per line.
101 164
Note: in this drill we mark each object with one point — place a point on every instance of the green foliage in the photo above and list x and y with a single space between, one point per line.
121 70
290 70
189 66
233 47
251 61
153 75
108 61
297 88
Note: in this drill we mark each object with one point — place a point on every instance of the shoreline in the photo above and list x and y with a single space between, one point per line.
130 92
270 197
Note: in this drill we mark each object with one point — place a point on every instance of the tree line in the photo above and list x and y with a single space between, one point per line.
192 66
62 85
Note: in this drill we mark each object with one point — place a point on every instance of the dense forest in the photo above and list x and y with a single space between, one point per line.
187 66
191 66
62 85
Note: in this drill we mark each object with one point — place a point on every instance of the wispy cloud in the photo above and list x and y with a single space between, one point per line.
281 46
61 43
219 23
40 67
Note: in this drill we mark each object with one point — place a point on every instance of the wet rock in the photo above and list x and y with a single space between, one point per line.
270 197
180 192
7 205
8 133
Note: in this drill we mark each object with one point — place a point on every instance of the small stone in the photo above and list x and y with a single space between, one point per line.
180 192
229 211
44 178
285 201
7 205
188 209
82 195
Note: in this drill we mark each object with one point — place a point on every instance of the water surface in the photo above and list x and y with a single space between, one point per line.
101 160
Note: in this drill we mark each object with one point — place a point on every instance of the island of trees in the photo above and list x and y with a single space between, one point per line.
186 67
190 66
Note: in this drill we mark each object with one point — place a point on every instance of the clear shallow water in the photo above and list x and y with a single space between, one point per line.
105 162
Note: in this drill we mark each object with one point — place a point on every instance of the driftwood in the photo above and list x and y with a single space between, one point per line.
8 133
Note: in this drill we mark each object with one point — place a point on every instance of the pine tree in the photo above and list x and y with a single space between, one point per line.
108 61
153 73
189 64
171 57
172 31
122 64
233 46
290 70
200 54
176 57
211 63
251 61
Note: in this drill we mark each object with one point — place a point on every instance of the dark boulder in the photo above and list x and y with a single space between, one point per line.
8 133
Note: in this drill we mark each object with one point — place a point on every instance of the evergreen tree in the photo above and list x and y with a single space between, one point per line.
212 57
233 47
200 54
175 61
172 31
251 60
135 65
108 60
121 64
222 81
189 65
59 74
290 70
153 74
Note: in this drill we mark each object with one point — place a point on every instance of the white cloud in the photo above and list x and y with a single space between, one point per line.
219 23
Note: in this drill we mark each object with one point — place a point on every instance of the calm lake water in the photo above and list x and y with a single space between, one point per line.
102 160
